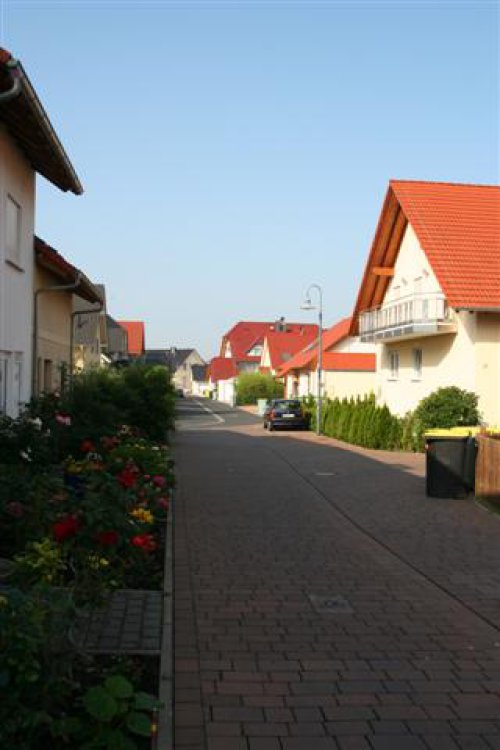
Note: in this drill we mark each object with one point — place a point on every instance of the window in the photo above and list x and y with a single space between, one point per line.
394 365
417 364
13 231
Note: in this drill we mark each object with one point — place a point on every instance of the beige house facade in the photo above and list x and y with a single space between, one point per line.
436 321
28 145
56 283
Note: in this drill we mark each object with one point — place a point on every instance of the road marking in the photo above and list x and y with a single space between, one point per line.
213 414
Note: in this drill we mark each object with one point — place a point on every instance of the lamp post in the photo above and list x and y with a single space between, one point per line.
307 305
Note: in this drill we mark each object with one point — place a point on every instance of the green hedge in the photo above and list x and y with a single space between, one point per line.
251 386
362 422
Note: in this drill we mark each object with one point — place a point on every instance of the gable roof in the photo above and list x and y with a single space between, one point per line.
222 368
27 122
349 362
48 258
283 345
136 335
243 336
458 228
307 357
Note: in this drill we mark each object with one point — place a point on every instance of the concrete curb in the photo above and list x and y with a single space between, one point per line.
164 740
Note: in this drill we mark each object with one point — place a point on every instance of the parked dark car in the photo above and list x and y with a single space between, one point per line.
285 412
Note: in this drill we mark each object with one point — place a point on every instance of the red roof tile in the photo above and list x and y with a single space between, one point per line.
458 228
246 334
50 259
222 368
306 359
349 361
136 336
283 345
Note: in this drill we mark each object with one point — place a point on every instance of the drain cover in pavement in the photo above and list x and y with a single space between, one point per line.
333 604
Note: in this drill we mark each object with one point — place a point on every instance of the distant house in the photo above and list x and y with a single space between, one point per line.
136 338
56 284
200 382
244 343
28 145
222 375
430 296
180 363
90 332
117 339
280 346
348 366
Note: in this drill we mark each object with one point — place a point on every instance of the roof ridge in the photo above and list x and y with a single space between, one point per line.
394 181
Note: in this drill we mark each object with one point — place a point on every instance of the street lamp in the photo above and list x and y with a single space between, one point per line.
307 305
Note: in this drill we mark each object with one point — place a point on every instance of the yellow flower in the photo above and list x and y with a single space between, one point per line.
140 514
3 601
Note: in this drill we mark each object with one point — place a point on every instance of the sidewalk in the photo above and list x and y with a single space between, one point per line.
323 603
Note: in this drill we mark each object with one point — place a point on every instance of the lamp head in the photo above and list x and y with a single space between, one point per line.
307 304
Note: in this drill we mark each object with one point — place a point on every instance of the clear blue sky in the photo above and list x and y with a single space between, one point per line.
233 152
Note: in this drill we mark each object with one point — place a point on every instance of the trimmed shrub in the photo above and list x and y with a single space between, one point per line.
448 407
250 386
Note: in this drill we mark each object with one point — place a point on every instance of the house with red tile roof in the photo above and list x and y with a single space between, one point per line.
348 366
222 374
244 342
429 299
29 146
280 346
136 336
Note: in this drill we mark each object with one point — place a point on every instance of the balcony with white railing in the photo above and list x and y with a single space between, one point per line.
412 316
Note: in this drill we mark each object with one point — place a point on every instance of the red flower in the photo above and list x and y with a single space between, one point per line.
163 502
66 527
159 481
87 446
128 476
107 538
144 541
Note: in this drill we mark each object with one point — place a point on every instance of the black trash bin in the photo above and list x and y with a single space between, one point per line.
450 465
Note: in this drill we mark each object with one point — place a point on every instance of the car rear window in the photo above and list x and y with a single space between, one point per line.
288 404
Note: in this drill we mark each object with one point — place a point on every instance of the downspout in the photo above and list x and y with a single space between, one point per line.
62 288
15 75
99 308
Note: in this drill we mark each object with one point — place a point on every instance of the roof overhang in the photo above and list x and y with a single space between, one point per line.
50 260
28 124
380 265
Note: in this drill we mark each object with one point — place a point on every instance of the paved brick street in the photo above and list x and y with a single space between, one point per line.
322 601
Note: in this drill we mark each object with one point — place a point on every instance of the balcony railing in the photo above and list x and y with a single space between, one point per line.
407 317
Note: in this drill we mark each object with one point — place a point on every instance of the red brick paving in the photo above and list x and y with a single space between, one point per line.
415 667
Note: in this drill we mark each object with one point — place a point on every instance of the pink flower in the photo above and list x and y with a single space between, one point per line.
159 481
64 419
163 502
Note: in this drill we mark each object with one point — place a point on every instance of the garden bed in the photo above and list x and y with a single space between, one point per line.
84 501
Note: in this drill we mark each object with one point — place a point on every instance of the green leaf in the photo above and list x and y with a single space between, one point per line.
146 702
66 726
139 723
119 687
100 704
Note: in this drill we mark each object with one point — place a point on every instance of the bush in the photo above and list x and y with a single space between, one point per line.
448 407
251 386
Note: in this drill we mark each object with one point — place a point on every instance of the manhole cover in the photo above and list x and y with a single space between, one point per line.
333 604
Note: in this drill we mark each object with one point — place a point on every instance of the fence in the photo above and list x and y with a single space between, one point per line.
488 468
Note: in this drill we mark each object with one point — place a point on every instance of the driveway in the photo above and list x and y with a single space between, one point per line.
322 601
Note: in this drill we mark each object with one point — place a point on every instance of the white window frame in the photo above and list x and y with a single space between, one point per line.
13 245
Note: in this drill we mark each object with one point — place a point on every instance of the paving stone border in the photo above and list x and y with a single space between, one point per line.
164 739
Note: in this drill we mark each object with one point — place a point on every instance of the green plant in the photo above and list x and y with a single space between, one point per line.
448 407
112 715
250 386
